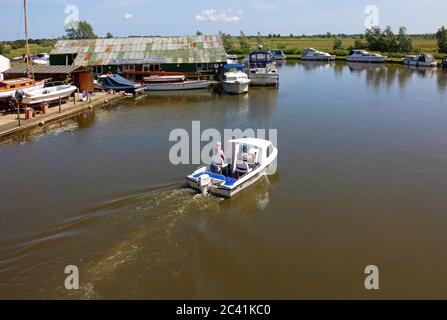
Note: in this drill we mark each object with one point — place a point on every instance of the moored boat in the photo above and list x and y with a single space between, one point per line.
48 94
278 54
235 81
365 57
118 83
421 60
444 62
261 69
252 161
311 54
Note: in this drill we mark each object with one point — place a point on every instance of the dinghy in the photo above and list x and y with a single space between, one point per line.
251 161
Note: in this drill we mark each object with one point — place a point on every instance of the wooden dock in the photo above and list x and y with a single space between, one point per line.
9 122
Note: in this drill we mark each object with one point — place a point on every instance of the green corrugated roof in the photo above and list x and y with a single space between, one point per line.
182 49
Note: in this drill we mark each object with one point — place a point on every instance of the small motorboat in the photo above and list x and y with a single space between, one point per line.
10 86
252 160
51 93
421 60
278 54
365 57
173 83
311 54
119 83
235 81
231 59
261 69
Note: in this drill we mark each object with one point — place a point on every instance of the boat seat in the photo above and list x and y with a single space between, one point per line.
242 166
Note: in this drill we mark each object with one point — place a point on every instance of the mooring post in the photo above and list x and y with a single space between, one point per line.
60 104
18 113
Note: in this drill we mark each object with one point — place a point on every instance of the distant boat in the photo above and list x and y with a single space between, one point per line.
311 54
421 60
365 56
231 59
261 68
444 62
41 59
278 54
235 81
252 161
118 83
49 94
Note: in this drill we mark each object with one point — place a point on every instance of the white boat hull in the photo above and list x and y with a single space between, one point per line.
187 85
4 94
47 95
235 87
421 64
366 59
230 192
318 58
263 79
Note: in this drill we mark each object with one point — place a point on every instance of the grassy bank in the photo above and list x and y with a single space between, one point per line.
294 46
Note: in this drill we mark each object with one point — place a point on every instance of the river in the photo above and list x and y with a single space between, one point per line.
361 181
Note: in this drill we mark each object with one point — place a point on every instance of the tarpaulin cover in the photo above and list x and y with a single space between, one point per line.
116 82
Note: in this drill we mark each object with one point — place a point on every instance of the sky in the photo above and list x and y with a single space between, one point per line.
185 17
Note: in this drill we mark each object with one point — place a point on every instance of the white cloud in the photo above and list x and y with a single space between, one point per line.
128 16
212 15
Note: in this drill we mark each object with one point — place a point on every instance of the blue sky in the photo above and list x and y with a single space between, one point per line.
182 17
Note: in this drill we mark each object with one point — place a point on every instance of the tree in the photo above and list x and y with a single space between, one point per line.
374 38
404 42
198 33
81 30
338 44
441 36
243 42
109 35
360 44
2 48
226 38
389 40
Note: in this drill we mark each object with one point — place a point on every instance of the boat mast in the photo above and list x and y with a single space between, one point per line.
29 62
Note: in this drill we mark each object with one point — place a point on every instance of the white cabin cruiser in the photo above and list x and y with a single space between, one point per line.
311 54
261 69
235 81
421 60
252 159
49 94
365 56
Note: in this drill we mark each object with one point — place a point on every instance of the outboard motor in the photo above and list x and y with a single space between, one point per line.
204 184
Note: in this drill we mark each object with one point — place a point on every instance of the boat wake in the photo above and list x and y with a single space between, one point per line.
156 245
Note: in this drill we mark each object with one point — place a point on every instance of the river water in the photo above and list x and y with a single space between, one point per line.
361 181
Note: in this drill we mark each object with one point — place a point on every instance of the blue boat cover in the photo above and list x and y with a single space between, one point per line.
116 82
234 66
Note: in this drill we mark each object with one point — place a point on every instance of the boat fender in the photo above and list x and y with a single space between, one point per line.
41 123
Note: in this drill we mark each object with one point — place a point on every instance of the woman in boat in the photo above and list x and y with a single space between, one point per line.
218 163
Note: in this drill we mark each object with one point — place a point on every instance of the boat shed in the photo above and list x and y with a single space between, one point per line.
188 54
82 77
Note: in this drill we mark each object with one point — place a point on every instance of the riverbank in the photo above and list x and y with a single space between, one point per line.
9 122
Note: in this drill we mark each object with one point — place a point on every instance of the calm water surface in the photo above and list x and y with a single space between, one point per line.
361 180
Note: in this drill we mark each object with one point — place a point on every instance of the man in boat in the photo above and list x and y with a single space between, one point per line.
245 158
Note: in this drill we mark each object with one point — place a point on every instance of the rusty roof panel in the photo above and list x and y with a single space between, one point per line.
177 49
